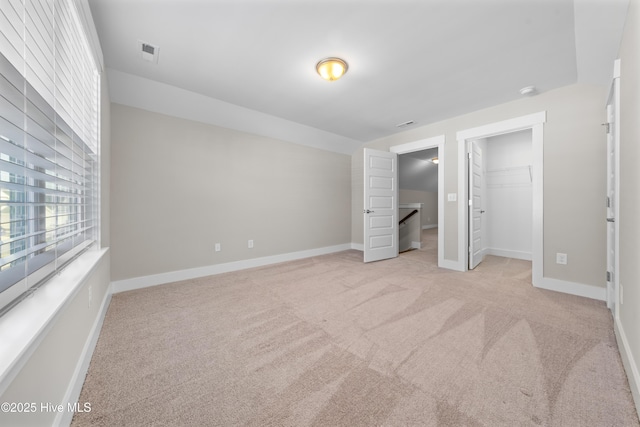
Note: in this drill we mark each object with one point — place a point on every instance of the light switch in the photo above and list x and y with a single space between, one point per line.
452 197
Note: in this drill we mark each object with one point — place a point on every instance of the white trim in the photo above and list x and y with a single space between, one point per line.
357 247
23 328
84 12
614 98
507 253
616 68
162 98
428 226
416 245
502 127
77 380
534 122
451 265
419 145
423 144
633 373
210 270
573 288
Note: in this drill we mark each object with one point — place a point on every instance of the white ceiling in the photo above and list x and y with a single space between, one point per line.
420 60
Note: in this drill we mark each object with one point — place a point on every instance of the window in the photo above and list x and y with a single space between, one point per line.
49 97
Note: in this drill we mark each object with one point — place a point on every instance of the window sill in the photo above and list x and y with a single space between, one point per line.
24 326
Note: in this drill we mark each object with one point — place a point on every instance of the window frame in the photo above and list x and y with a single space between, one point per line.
83 38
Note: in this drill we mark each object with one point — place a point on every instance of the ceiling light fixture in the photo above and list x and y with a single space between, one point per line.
331 68
435 160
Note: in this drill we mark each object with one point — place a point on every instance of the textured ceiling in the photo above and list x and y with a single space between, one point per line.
420 60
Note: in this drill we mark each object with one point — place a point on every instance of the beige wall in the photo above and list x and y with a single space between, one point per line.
574 176
629 217
180 186
46 375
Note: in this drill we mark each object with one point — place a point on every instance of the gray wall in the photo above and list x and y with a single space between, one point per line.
429 200
629 310
181 186
574 168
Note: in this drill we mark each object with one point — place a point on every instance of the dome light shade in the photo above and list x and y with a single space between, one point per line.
331 68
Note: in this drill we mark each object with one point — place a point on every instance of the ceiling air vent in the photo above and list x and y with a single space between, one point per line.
148 51
405 124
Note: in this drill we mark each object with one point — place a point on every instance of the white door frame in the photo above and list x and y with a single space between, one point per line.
535 122
613 295
424 144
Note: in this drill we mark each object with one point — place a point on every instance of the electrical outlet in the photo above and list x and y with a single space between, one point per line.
250 244
217 247
561 258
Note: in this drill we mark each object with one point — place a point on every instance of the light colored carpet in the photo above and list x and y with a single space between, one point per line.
330 341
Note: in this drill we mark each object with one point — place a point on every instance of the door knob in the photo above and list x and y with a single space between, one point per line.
611 220
368 211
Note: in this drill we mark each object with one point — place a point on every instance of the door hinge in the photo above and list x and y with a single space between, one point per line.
608 201
609 276
607 127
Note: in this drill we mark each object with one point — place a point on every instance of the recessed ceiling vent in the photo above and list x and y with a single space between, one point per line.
148 51
405 124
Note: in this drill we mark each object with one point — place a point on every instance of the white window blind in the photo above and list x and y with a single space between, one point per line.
49 89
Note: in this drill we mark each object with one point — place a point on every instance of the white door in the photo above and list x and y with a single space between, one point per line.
476 252
380 205
612 199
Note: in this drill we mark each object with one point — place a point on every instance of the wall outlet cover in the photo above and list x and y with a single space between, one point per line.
561 258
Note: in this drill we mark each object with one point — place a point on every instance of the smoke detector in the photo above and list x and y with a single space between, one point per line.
148 51
528 91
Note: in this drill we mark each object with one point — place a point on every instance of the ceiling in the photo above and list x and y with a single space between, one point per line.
416 171
419 60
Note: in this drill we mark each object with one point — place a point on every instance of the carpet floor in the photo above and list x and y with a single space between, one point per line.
331 341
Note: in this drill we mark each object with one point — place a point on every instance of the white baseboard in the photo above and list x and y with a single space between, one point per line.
508 253
357 246
64 418
630 365
451 265
416 245
579 289
210 270
428 226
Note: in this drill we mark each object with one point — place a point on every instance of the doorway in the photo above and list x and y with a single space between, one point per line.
535 123
422 153
501 197
418 199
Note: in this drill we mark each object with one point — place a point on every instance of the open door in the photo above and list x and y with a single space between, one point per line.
476 252
380 205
